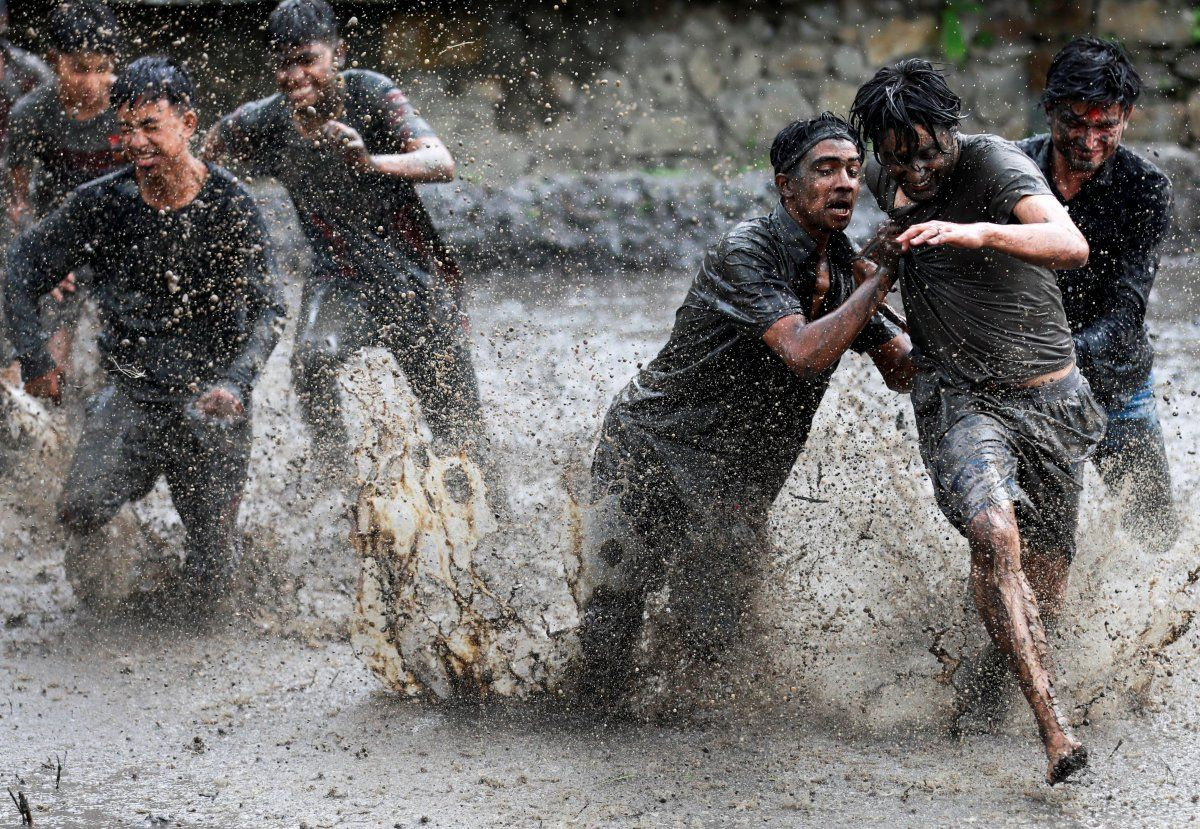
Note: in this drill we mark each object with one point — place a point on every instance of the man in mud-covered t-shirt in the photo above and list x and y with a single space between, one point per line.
349 147
696 448
188 305
1004 419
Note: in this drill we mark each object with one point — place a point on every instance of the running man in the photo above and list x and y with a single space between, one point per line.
349 147
1122 204
185 285
1004 418
63 135
696 448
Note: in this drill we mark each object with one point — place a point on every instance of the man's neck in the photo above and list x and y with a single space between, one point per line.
820 236
1068 182
81 112
173 185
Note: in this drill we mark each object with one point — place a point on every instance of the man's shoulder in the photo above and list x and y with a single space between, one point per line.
226 182
754 236
28 64
1033 145
36 104
263 114
1136 170
117 185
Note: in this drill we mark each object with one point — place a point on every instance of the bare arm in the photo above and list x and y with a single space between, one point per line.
809 348
1044 236
425 158
895 363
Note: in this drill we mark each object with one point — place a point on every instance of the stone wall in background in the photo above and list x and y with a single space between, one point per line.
519 88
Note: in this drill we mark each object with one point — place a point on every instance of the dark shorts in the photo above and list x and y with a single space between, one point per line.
1023 447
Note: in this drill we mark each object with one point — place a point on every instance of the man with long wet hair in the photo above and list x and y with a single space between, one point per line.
185 284
1122 204
1004 418
349 147
696 448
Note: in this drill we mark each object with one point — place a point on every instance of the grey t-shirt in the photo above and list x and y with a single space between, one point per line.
980 316
65 152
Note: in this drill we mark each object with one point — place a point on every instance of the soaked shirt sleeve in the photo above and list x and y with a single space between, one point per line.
398 120
1116 332
262 299
244 140
1008 175
878 330
20 146
747 285
37 261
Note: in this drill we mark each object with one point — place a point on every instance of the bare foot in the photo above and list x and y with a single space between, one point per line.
1065 762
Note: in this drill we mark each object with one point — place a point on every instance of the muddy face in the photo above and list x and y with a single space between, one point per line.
307 74
921 169
821 191
84 81
1086 134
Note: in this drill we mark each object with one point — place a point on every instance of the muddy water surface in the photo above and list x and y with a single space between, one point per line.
833 713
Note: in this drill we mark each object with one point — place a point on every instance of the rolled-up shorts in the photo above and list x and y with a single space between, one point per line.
1024 447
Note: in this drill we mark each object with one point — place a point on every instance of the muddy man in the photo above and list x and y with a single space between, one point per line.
1122 205
1004 418
696 448
188 303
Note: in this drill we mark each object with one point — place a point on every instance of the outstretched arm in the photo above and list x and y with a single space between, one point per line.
1044 236
425 159
809 348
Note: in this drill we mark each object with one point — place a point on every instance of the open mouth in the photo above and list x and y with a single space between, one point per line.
840 208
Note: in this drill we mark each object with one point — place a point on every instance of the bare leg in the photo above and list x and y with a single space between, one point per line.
1009 608
1047 572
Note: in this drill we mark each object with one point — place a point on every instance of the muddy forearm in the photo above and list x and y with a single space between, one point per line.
428 164
809 348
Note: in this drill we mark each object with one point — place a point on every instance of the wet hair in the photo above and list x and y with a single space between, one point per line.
297 22
909 94
153 78
1094 70
794 141
82 26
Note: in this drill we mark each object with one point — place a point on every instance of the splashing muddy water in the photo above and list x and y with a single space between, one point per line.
862 621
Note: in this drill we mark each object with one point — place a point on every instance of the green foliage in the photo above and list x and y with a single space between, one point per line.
1195 34
954 42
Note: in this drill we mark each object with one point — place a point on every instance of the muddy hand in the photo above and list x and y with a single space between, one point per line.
348 142
48 386
66 286
220 403
932 234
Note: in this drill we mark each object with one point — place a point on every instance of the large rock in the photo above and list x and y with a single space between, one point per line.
1146 21
900 38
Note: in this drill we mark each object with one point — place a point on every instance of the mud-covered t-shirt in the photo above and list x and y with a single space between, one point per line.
188 298
364 226
1124 212
718 405
979 316
61 152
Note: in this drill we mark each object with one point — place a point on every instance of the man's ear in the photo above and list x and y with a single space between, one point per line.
190 121
339 54
783 183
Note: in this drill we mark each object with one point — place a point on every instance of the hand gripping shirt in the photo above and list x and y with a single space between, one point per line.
719 408
979 317
61 152
1124 212
187 297
364 226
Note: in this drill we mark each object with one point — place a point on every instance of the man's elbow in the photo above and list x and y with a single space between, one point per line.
448 169
1077 252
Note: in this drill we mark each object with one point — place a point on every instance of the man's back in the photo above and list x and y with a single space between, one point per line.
980 316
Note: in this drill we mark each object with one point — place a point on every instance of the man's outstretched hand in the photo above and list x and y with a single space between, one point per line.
931 234
48 386
220 403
